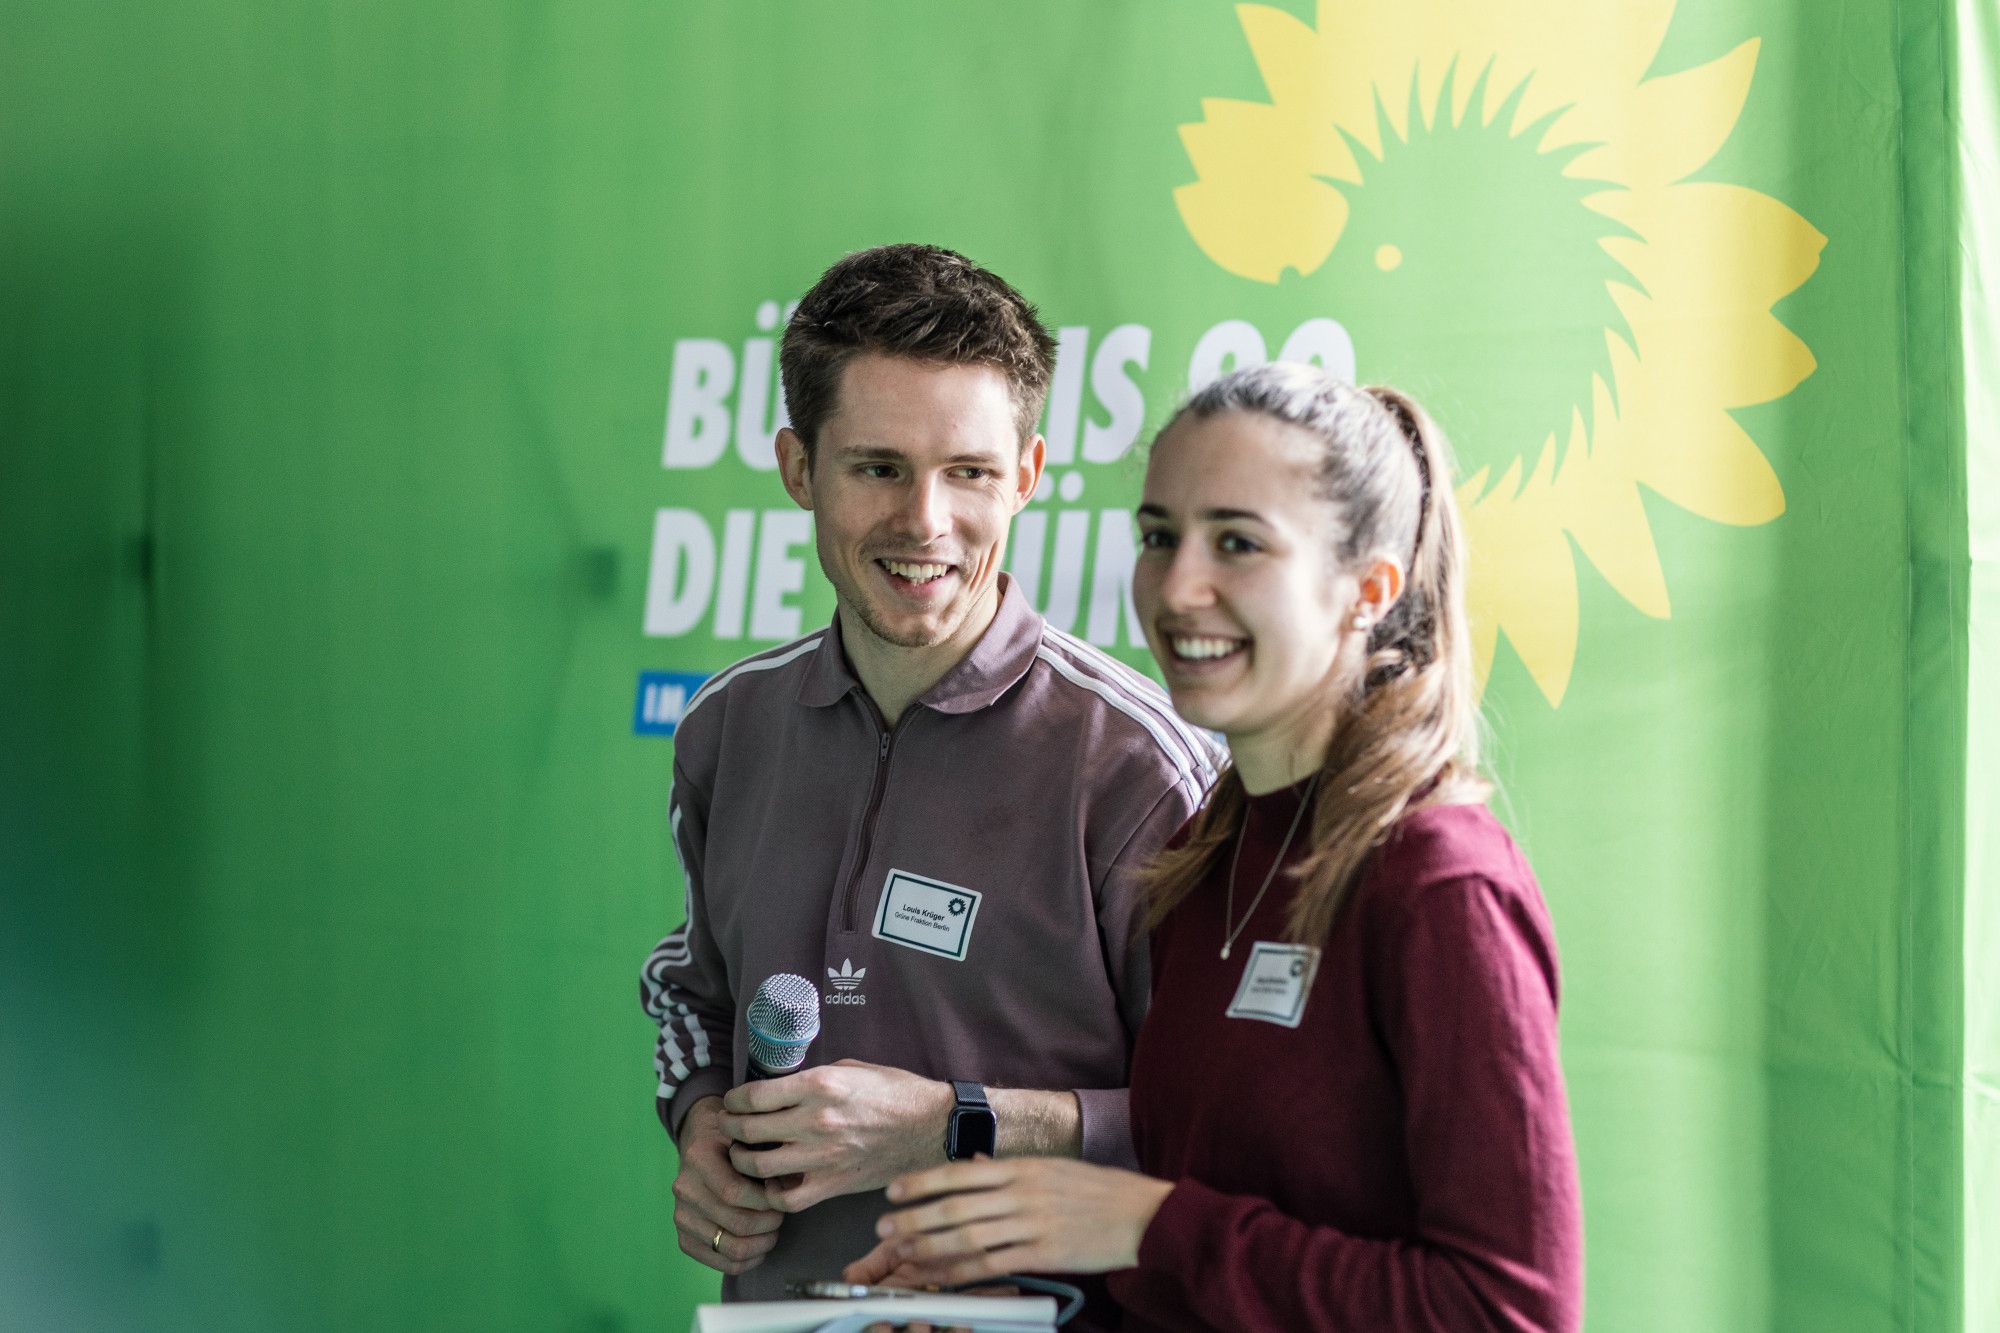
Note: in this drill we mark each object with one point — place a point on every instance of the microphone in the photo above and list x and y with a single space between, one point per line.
783 1020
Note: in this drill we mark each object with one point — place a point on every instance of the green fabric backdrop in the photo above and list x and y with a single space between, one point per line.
1977 84
350 355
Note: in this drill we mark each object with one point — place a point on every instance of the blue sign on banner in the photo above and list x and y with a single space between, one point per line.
663 697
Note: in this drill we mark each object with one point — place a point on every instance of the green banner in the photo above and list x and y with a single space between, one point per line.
1976 118
388 395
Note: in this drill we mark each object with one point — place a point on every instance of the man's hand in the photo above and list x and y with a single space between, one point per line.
840 1129
711 1197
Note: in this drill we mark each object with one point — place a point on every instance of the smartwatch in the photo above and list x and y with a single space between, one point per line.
972 1128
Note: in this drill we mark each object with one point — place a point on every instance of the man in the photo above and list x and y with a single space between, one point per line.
935 806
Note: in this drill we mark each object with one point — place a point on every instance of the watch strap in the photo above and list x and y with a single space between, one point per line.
969 1109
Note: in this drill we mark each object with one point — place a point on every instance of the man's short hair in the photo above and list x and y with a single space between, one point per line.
916 301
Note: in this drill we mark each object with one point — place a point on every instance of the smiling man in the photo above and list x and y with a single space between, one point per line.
936 806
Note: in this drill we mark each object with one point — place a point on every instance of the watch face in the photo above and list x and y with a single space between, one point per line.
971 1133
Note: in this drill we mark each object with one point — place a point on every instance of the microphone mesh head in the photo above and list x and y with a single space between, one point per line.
783 1020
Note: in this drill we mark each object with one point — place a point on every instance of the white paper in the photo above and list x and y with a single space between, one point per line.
1023 1312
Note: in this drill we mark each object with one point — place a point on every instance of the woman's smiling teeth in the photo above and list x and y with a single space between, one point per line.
915 573
1200 648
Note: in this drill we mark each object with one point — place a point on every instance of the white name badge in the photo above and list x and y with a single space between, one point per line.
1275 983
926 914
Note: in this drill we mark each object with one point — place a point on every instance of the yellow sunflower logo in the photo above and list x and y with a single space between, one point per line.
1499 199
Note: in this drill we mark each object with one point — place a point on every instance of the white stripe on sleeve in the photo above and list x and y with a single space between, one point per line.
1187 774
789 652
1147 692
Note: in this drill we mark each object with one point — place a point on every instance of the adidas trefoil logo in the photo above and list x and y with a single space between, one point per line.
846 983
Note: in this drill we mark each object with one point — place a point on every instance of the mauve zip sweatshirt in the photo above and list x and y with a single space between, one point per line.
1003 819
1399 1160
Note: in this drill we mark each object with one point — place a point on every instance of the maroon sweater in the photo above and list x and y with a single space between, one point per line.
1399 1160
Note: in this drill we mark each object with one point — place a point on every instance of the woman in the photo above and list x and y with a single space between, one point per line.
1346 1100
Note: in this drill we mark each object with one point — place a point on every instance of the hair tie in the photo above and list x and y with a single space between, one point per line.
1413 435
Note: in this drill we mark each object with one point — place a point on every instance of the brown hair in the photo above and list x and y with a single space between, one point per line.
1408 719
916 301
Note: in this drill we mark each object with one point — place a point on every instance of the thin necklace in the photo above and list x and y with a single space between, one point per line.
1229 901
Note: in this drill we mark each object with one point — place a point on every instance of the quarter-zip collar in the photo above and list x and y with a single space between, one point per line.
1000 658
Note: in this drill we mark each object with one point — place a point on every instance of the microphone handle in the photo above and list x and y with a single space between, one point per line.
755 1073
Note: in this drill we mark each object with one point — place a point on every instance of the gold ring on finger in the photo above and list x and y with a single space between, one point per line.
716 1244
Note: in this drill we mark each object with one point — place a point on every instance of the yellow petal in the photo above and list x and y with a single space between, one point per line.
1522 578
1485 637
1715 246
1289 57
1260 205
1257 227
1369 50
1601 508
1671 126
1255 138
1712 468
1715 259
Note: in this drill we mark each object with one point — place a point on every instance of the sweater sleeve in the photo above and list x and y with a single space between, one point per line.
683 987
1465 991
1106 1112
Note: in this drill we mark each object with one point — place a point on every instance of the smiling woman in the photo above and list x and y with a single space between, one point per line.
1302 590
1346 1100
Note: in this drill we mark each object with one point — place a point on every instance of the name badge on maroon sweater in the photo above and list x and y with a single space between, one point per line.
1275 983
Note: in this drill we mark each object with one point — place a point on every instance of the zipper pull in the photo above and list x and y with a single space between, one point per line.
883 753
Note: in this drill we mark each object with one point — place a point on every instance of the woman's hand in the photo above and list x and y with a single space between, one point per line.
978 1219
